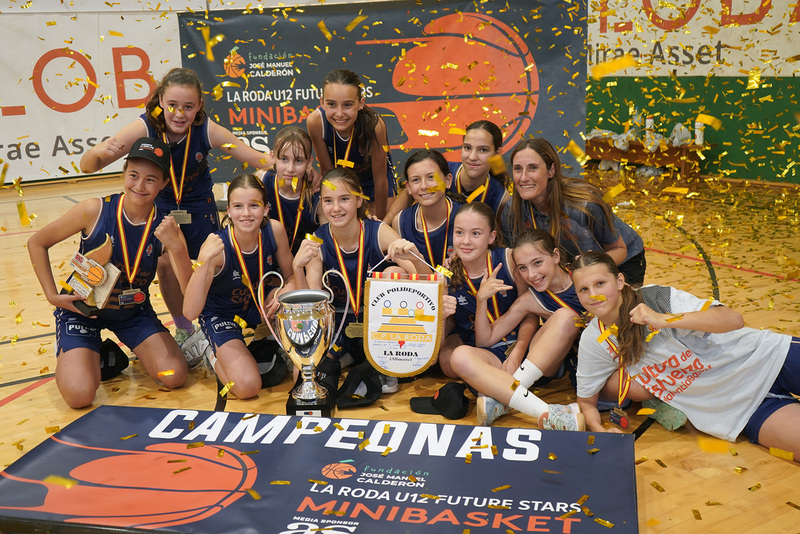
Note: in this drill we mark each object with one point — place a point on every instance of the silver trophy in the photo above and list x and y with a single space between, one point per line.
305 321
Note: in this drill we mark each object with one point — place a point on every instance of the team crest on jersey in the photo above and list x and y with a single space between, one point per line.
236 275
450 251
198 157
149 249
462 300
269 259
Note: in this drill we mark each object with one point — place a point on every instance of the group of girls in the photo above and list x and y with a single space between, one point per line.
513 312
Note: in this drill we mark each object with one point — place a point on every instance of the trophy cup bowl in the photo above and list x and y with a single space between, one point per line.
305 323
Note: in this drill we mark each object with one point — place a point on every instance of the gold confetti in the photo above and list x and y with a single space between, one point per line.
739 469
128 437
386 428
713 503
780 453
355 22
246 453
179 461
590 440
318 482
577 152
614 191
429 496
793 505
676 317
18 443
363 444
657 486
196 445
494 450
646 411
468 458
324 30
498 507
659 462
329 185
676 190
280 483
226 388
709 120
316 239
641 460
603 522
60 481
501 488
453 131
181 470
756 487
651 335
254 494
220 453
52 429
599 298
552 456
318 428
497 164
23 214
586 511
386 451
568 514
602 70
709 444
696 514
594 450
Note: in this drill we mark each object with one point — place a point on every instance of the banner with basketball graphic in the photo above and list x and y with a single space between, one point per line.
404 322
127 468
429 71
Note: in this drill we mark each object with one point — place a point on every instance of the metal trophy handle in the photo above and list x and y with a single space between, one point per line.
262 308
346 301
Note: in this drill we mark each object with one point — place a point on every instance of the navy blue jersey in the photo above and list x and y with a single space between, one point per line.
549 302
371 252
106 224
229 295
440 239
197 184
466 302
290 210
337 149
492 196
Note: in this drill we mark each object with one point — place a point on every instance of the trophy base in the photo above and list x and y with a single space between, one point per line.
316 408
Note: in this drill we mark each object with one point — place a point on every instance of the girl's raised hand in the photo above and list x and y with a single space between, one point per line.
402 249
448 306
642 314
168 232
66 301
308 251
212 248
490 285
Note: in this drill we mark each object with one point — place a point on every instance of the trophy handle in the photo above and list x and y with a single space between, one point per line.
262 308
346 301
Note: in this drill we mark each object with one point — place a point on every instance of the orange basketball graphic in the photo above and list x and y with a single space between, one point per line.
95 274
234 65
163 486
338 471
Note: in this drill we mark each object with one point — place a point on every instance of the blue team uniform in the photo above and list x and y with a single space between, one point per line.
550 304
437 237
361 165
198 197
372 255
493 196
291 211
229 296
132 323
467 304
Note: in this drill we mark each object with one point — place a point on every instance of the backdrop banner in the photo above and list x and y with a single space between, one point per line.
428 71
211 472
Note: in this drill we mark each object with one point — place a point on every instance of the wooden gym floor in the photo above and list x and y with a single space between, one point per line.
740 239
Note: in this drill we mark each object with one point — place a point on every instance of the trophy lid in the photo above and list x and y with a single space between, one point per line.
304 296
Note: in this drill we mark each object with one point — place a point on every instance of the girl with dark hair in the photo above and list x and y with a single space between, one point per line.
572 210
347 133
429 222
175 114
229 268
693 354
551 297
289 185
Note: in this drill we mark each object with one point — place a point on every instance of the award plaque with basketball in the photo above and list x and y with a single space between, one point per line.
93 278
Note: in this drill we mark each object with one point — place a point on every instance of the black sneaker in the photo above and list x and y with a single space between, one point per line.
112 360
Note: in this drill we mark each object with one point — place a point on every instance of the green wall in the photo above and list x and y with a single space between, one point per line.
760 134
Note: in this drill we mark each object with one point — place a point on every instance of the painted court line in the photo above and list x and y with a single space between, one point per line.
25 390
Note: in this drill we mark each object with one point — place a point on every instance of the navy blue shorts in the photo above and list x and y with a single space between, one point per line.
74 330
780 394
219 329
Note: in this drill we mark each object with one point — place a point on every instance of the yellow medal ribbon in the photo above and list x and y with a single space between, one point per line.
131 272
355 296
474 290
561 302
533 218
245 274
460 191
178 190
446 231
624 377
280 208
345 162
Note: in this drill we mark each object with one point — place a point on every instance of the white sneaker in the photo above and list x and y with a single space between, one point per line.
389 384
490 409
561 417
196 347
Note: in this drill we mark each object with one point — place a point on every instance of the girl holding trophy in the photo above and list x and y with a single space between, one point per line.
229 267
130 233
353 244
429 222
551 296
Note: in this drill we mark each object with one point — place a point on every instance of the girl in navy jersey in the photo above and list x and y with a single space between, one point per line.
429 222
138 232
551 296
476 240
289 185
229 267
473 177
174 113
347 133
352 244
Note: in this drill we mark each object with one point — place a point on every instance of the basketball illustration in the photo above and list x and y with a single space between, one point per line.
234 65
338 471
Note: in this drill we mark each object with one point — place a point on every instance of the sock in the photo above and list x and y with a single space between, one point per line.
527 374
527 403
184 323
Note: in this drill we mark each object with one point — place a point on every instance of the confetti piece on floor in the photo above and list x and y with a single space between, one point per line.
245 453
181 470
696 514
593 451
713 503
254 494
318 482
227 387
196 444
60 481
646 411
280 483
793 505
501 488
52 429
552 456
468 458
128 437
709 444
603 522
662 464
757 486
780 453
657 486
739 469
641 460
386 451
